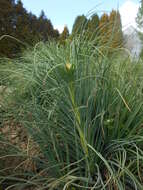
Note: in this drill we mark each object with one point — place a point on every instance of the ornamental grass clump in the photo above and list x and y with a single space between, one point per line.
83 110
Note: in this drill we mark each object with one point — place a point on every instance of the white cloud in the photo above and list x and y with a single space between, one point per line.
128 13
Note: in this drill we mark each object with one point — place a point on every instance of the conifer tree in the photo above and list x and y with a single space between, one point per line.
139 18
6 16
22 22
93 23
104 28
15 21
41 27
56 34
64 35
45 27
115 34
33 29
93 26
80 24
6 25
139 21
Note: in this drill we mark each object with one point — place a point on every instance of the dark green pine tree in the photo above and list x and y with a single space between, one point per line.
33 29
93 23
22 27
49 29
139 18
93 27
45 28
22 22
56 34
6 26
139 21
80 25
6 16
104 28
115 33
64 35
41 26
15 21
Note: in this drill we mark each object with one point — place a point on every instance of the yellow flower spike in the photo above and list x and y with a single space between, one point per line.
68 66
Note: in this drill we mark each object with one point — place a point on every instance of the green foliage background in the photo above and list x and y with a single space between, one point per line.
20 29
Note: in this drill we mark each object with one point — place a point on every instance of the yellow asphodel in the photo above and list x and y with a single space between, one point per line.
68 66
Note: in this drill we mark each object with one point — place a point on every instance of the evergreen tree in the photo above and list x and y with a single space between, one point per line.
41 26
139 18
115 30
104 28
93 23
6 16
93 27
80 24
33 28
22 27
22 31
56 34
49 29
139 21
6 26
45 28
64 35
26 27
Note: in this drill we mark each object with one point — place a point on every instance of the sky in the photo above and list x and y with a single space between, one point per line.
64 12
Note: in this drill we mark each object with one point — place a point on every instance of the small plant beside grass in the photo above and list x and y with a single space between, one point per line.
83 110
